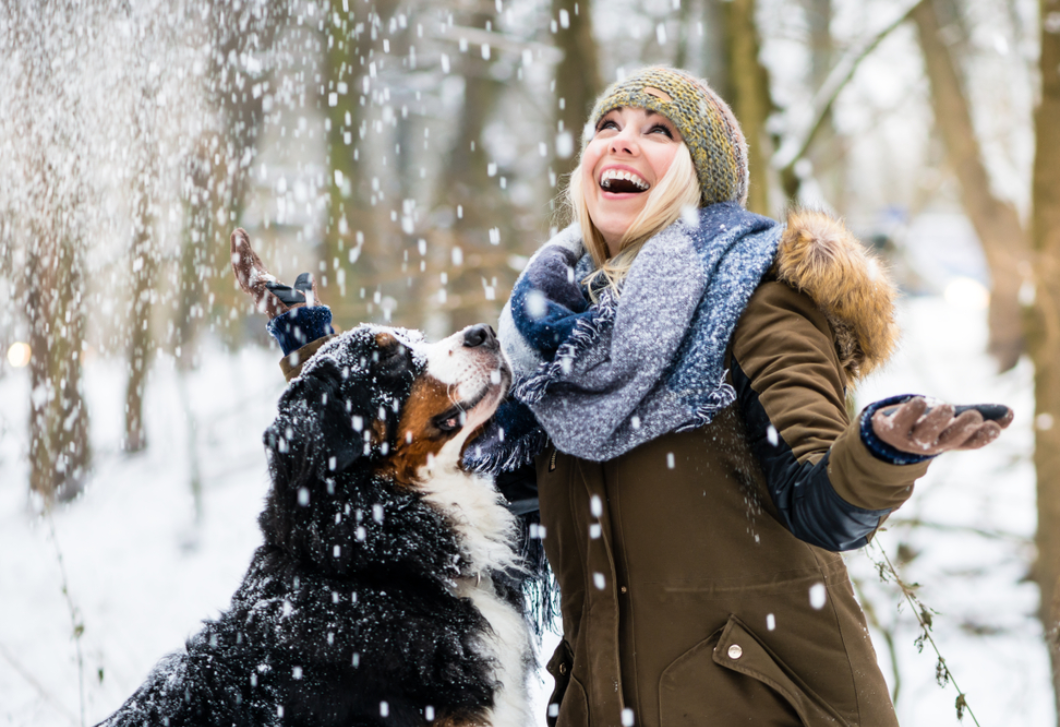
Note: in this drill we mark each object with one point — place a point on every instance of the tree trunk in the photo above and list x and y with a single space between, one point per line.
467 272
578 81
59 452
144 273
353 253
827 174
1044 336
995 220
716 54
482 212
750 97
220 167
197 230
144 261
53 163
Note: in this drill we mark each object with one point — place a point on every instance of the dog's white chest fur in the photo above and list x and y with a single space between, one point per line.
486 530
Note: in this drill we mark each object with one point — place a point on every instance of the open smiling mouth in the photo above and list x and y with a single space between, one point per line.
621 182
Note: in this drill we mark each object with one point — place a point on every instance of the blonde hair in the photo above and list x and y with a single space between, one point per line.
678 189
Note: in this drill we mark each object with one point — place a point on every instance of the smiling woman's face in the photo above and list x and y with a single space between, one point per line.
631 150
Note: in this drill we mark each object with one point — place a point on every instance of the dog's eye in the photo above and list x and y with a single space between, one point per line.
451 420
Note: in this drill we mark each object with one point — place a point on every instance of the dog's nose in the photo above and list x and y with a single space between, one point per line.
480 335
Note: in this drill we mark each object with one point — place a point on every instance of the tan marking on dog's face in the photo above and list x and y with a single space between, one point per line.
452 400
421 434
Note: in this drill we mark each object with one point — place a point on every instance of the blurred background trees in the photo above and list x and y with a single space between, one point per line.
412 156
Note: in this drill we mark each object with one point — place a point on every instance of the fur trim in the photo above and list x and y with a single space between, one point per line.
820 257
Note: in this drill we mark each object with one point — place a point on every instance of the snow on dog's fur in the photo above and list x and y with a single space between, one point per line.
386 591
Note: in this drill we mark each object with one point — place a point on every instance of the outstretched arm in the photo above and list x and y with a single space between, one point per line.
832 480
297 319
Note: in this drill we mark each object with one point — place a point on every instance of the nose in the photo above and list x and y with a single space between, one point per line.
480 335
624 142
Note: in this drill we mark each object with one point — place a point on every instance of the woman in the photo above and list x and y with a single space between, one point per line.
688 362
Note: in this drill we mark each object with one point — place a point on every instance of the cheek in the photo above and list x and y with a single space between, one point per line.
590 192
661 160
590 158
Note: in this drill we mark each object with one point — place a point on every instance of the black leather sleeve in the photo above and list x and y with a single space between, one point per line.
802 492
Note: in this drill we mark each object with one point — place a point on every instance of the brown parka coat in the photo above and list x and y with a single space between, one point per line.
686 600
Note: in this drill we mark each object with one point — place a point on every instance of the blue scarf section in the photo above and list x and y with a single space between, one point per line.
602 378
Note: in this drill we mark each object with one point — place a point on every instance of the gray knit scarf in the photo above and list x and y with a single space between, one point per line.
605 377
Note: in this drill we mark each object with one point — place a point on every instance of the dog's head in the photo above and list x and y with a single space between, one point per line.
384 398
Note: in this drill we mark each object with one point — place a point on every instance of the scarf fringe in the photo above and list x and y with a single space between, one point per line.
505 456
586 331
722 396
539 587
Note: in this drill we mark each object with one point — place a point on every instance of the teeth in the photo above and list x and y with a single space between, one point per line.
611 174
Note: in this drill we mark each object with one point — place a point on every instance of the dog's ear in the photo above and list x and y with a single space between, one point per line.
325 422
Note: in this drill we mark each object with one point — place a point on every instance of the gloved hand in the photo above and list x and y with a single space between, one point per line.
271 297
916 428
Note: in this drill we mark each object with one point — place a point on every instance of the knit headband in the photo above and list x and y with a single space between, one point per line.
705 121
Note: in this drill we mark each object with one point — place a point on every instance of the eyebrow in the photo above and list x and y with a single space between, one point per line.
647 112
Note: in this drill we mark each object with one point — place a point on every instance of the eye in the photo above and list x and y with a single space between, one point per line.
451 420
662 129
607 124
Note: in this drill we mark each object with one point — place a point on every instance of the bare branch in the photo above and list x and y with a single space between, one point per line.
796 145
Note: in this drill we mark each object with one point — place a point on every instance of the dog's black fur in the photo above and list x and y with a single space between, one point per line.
346 615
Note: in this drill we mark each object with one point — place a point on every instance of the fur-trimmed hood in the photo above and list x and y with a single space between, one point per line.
818 256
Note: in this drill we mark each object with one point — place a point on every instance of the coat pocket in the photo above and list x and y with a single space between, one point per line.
732 678
565 704
574 710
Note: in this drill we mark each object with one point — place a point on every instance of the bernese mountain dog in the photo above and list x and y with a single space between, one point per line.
387 588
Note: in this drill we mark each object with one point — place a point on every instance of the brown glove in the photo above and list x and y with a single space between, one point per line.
271 297
915 428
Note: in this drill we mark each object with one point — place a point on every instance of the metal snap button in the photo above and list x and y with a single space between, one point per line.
735 652
562 668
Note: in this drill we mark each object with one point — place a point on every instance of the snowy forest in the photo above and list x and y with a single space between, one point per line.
411 154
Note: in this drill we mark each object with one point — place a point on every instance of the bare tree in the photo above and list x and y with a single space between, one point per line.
996 221
803 139
469 249
144 270
49 203
217 171
1044 331
822 59
1012 254
750 100
144 252
577 79
354 250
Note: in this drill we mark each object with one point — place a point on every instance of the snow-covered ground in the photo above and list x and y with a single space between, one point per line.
140 574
